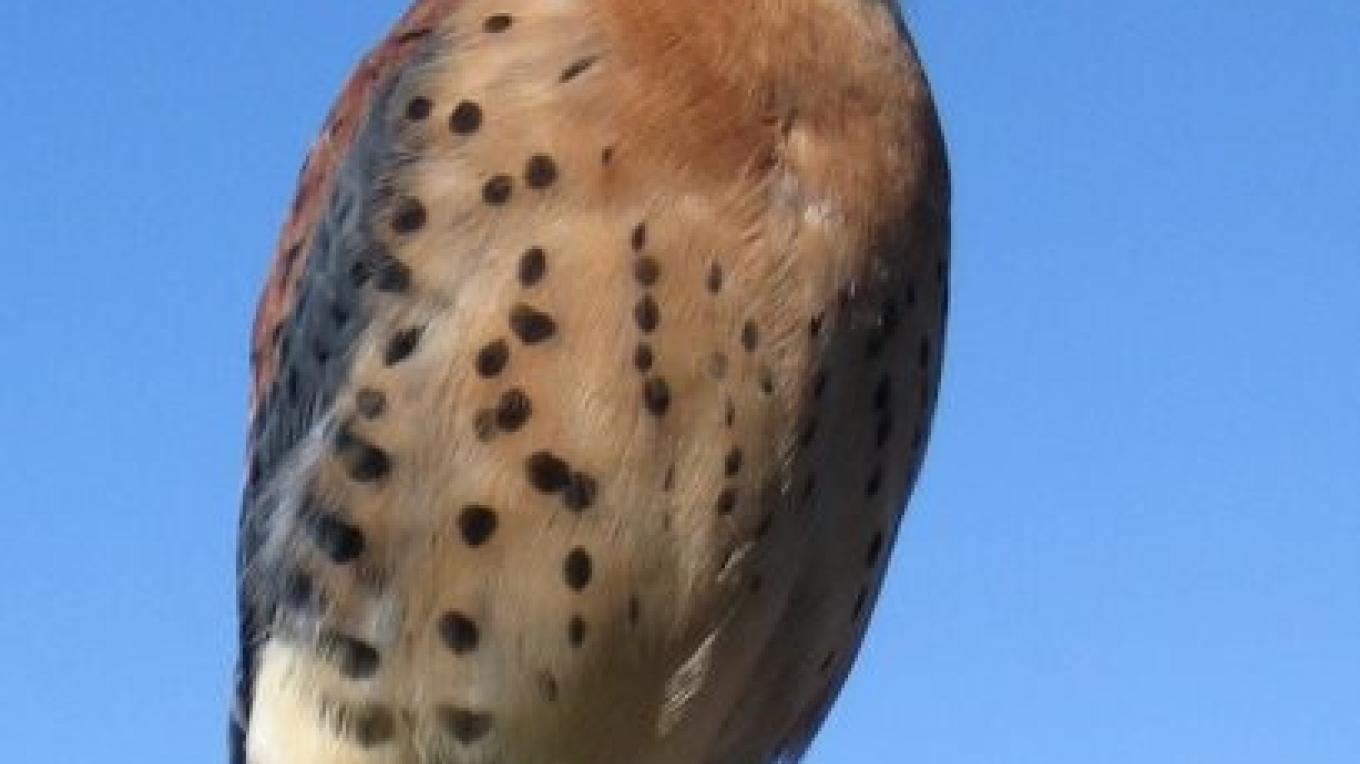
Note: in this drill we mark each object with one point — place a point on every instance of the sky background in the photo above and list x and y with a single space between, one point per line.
1137 538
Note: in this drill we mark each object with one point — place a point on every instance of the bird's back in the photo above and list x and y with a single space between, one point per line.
593 374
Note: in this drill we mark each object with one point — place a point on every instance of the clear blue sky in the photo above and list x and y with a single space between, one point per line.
1138 535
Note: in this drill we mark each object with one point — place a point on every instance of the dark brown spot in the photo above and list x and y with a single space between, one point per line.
727 501
766 380
547 473
492 358
466 118
467 727
497 190
402 345
576 631
714 281
391 275
730 413
643 358
418 109
732 464
580 492
514 410
360 271
634 610
533 264
647 314
577 68
656 395
540 171
409 216
338 540
639 238
606 155
299 591
370 403
369 725
531 325
414 35
815 326
577 569
477 523
750 336
363 461
646 270
498 23
354 658
459 633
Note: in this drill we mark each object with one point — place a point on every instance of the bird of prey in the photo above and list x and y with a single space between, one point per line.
595 366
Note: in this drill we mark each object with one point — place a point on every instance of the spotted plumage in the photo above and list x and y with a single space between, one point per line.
591 377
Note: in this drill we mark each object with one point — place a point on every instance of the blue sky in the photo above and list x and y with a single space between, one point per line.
1138 534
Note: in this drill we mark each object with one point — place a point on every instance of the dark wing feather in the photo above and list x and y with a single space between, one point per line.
312 310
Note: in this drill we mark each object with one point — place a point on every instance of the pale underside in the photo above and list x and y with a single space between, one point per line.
649 411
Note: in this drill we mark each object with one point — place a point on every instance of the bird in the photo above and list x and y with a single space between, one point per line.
591 376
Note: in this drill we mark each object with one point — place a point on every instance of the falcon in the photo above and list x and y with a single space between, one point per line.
592 374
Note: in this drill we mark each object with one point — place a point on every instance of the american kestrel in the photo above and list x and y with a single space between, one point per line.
594 369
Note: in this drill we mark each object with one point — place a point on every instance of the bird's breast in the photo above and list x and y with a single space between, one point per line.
644 380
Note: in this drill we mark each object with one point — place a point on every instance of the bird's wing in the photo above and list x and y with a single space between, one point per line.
311 310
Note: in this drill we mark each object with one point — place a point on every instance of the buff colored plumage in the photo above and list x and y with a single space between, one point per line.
592 376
